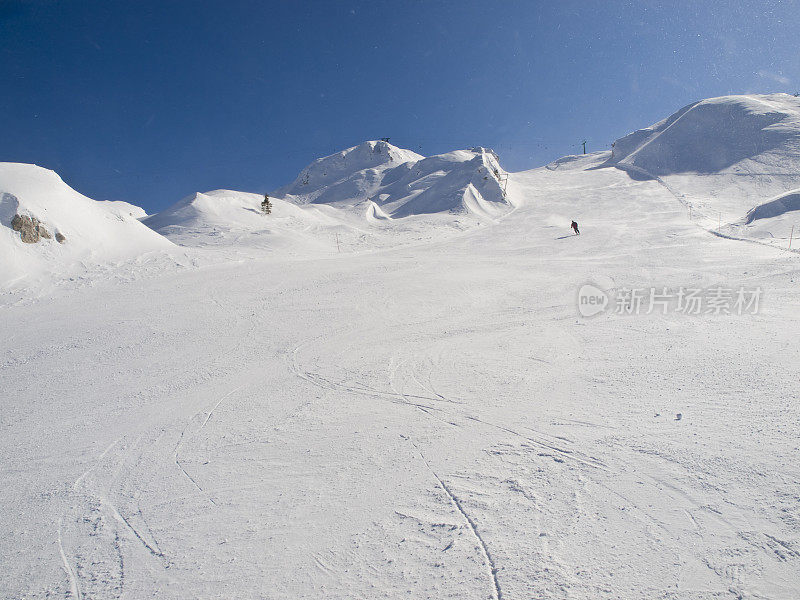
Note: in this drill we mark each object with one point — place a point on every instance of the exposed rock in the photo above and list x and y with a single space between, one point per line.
60 237
30 230
27 230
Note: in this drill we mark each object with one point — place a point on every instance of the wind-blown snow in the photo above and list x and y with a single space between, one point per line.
778 215
776 207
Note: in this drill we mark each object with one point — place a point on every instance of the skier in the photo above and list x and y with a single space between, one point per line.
575 228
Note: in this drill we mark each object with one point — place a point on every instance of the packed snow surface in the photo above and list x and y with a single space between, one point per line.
406 414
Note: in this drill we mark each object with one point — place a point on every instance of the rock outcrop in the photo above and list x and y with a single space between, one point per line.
30 229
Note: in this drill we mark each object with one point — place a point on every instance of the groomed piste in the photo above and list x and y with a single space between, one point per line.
387 388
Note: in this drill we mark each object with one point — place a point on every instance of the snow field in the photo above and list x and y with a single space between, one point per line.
422 414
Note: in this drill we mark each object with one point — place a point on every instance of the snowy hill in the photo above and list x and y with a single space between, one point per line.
771 220
381 181
352 199
721 156
231 218
73 232
714 135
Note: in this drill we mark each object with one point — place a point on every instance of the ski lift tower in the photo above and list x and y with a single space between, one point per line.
503 181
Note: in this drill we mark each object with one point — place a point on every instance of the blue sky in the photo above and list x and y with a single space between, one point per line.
149 101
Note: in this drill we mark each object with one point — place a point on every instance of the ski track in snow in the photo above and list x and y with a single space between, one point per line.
447 413
73 578
357 388
211 412
74 587
552 437
396 396
124 521
202 425
492 567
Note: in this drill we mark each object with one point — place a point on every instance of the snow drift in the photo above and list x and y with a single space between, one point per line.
772 220
777 207
400 183
93 233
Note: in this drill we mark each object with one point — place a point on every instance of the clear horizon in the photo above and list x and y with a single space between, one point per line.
150 102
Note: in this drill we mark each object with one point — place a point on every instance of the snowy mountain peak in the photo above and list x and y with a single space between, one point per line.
402 183
349 163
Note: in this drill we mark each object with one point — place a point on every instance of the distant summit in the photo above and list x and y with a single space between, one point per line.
382 181
356 165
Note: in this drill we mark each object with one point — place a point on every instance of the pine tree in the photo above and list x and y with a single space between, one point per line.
266 205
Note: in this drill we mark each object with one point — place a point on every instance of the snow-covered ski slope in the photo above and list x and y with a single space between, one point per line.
431 420
721 157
